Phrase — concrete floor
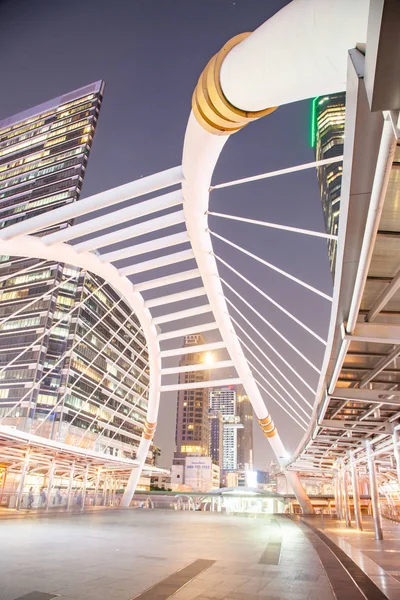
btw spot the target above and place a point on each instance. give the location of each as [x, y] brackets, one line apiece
[118, 555]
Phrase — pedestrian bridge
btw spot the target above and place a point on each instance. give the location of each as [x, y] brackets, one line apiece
[351, 418]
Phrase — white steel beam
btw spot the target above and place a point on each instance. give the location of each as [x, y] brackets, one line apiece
[178, 297]
[367, 396]
[156, 263]
[192, 349]
[116, 217]
[201, 384]
[382, 364]
[182, 314]
[347, 424]
[384, 298]
[169, 335]
[378, 194]
[131, 232]
[158, 243]
[222, 364]
[168, 280]
[378, 333]
[121, 193]
[253, 79]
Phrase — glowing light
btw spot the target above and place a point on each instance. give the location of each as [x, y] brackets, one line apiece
[251, 479]
[208, 358]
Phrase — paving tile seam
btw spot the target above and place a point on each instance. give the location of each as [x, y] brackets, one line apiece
[361, 581]
[175, 582]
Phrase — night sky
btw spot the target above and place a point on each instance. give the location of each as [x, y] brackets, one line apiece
[150, 54]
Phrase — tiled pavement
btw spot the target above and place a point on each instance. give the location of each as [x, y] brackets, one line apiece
[380, 560]
[119, 555]
[155, 555]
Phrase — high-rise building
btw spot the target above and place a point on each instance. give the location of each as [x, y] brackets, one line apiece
[223, 400]
[192, 432]
[216, 436]
[327, 133]
[244, 435]
[73, 358]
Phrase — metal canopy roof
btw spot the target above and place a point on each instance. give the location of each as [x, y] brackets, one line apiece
[359, 396]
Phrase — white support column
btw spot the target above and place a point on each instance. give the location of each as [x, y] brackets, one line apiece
[84, 487]
[70, 484]
[346, 498]
[340, 497]
[96, 489]
[50, 483]
[356, 493]
[22, 481]
[374, 493]
[3, 485]
[396, 450]
[130, 489]
[148, 432]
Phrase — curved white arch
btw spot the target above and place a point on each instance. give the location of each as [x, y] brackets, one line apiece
[33, 247]
[252, 79]
[200, 155]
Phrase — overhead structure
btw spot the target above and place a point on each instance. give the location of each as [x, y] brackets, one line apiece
[159, 255]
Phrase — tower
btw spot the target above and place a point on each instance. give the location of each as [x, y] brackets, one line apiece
[244, 410]
[192, 426]
[73, 358]
[328, 118]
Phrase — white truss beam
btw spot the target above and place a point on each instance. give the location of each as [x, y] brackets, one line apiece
[157, 263]
[169, 335]
[178, 297]
[129, 213]
[192, 349]
[183, 314]
[167, 280]
[384, 298]
[134, 189]
[367, 396]
[382, 364]
[175, 387]
[378, 333]
[133, 231]
[222, 364]
[348, 425]
[158, 243]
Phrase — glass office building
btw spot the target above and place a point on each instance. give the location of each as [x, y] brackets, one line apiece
[73, 358]
[327, 135]
[192, 433]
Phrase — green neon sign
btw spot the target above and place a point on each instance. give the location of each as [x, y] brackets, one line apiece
[313, 122]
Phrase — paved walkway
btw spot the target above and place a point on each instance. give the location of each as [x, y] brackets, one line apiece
[157, 555]
[118, 555]
[380, 560]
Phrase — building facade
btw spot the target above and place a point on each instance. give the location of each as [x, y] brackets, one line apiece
[216, 436]
[223, 400]
[245, 434]
[328, 118]
[73, 358]
[192, 433]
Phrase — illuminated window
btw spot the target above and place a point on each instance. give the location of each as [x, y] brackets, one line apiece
[30, 322]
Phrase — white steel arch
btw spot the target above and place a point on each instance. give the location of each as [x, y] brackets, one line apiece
[222, 104]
